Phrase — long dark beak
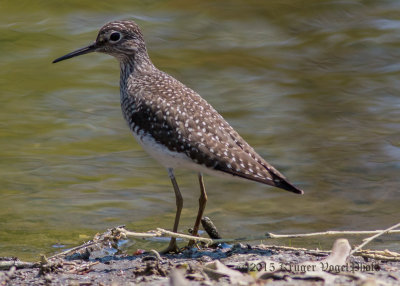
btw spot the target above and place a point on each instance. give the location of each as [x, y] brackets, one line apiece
[89, 49]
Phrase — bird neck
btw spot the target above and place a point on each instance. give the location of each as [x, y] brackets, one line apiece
[137, 63]
[134, 65]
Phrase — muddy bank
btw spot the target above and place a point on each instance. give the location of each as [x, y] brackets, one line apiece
[242, 264]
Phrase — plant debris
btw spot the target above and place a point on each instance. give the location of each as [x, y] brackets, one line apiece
[240, 264]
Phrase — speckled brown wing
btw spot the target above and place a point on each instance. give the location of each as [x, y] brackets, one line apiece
[178, 118]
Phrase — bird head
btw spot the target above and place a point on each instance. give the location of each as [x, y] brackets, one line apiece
[121, 39]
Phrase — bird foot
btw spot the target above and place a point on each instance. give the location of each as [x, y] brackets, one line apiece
[193, 243]
[172, 248]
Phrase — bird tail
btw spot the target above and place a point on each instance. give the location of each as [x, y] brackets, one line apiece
[282, 183]
[277, 180]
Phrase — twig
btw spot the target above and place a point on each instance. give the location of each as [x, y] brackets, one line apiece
[315, 252]
[98, 240]
[368, 240]
[156, 254]
[185, 236]
[160, 233]
[126, 233]
[378, 256]
[5, 265]
[383, 255]
[75, 249]
[83, 269]
[329, 232]
[374, 254]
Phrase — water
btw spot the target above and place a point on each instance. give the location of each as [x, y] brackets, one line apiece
[312, 85]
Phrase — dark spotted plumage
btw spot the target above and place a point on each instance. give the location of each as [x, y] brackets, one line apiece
[157, 105]
[173, 123]
[170, 119]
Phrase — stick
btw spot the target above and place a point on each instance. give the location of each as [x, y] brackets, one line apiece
[75, 249]
[368, 240]
[161, 233]
[5, 265]
[329, 232]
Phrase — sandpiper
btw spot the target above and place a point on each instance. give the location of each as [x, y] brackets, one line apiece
[173, 123]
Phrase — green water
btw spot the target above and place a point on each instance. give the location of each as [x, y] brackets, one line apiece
[312, 85]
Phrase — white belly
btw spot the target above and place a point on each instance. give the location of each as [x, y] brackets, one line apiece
[162, 154]
[171, 159]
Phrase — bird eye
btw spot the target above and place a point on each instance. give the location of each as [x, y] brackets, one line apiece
[115, 37]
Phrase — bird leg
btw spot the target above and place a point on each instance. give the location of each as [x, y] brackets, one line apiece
[172, 247]
[202, 206]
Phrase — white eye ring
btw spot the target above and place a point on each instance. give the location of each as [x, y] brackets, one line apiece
[115, 37]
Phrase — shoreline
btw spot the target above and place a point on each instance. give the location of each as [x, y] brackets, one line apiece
[220, 264]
